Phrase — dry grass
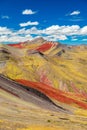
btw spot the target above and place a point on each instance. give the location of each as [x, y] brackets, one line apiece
[15, 114]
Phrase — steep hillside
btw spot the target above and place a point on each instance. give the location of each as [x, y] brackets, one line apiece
[54, 70]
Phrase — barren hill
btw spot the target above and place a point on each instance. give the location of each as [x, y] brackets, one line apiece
[46, 77]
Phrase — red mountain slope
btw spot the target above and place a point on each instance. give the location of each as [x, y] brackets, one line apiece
[54, 93]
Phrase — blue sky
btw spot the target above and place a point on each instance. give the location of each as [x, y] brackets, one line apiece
[55, 20]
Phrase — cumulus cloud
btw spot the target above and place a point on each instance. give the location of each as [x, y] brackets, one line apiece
[5, 31]
[29, 23]
[64, 30]
[5, 17]
[15, 38]
[55, 37]
[28, 12]
[83, 30]
[77, 12]
[52, 33]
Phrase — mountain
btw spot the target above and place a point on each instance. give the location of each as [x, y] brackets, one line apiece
[46, 77]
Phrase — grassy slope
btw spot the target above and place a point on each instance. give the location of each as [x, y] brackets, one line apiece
[66, 72]
[71, 66]
[16, 114]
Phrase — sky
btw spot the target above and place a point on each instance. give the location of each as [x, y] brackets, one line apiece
[54, 20]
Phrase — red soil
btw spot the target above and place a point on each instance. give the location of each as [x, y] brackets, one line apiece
[45, 46]
[18, 45]
[54, 93]
[44, 79]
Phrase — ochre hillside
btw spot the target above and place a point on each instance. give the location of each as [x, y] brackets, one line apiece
[57, 72]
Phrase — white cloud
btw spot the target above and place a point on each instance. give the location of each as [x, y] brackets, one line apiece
[77, 12]
[55, 37]
[29, 23]
[28, 12]
[5, 31]
[83, 30]
[15, 38]
[5, 17]
[52, 33]
[64, 30]
[18, 38]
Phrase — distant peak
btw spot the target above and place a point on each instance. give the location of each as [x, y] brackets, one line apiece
[39, 40]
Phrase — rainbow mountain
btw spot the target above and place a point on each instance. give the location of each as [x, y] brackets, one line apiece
[43, 82]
